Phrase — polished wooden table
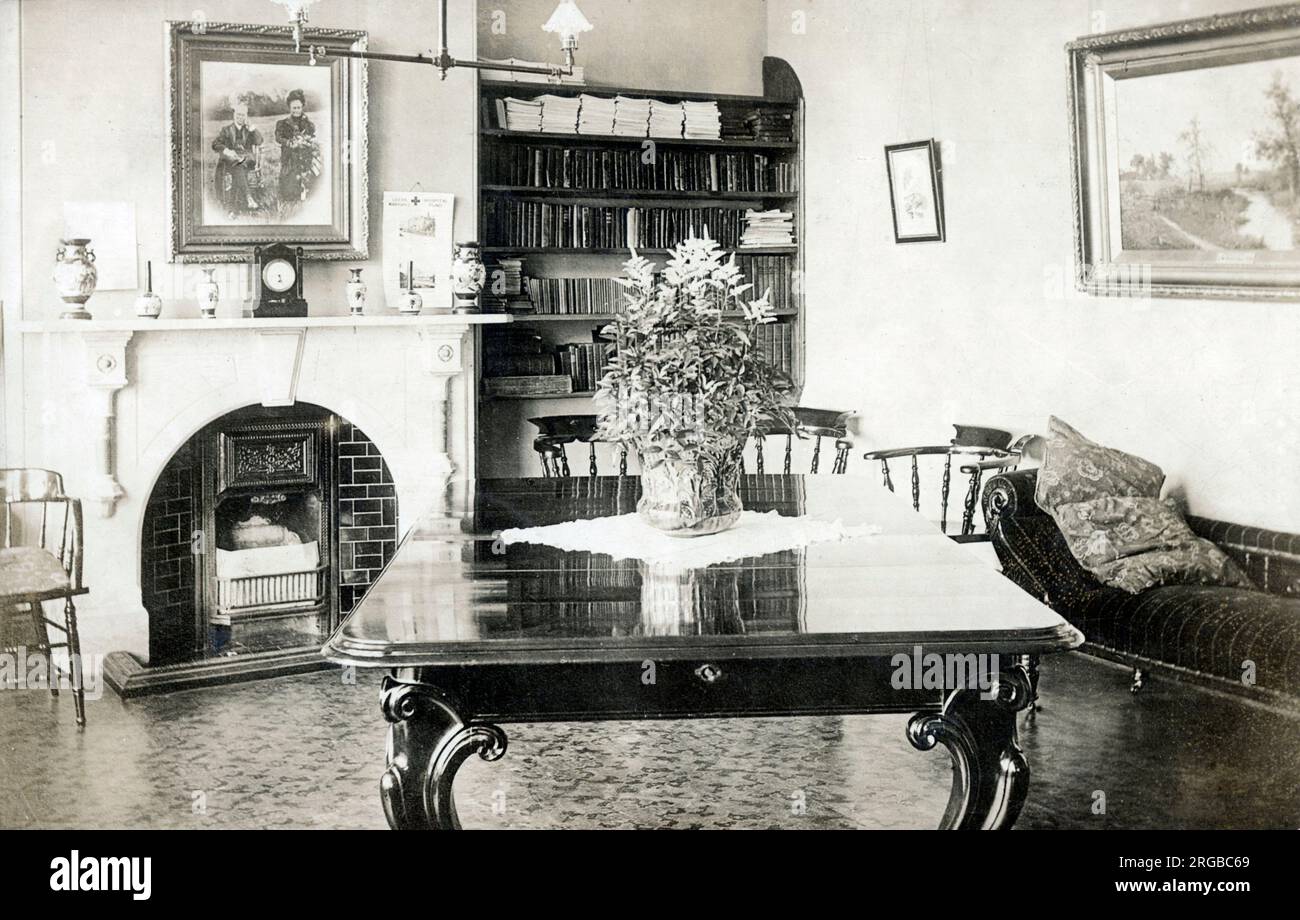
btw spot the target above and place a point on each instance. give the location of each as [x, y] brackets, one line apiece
[477, 634]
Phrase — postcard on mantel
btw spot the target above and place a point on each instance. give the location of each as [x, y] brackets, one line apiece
[418, 231]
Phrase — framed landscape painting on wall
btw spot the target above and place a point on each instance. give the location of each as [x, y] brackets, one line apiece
[265, 147]
[1186, 157]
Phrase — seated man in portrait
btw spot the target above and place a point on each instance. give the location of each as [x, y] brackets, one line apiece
[236, 149]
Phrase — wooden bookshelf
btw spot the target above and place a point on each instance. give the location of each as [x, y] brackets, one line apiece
[503, 426]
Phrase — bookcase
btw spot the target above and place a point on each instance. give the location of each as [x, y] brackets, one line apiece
[558, 211]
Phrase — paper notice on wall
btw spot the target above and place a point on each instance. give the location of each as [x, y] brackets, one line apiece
[418, 232]
[110, 227]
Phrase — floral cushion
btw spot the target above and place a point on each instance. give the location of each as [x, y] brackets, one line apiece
[1057, 428]
[27, 570]
[1135, 543]
[1077, 470]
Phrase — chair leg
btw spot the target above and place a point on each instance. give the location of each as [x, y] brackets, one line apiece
[74, 662]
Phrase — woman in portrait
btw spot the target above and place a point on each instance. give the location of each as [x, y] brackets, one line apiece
[236, 149]
[299, 153]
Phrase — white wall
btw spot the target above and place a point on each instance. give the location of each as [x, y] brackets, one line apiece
[985, 327]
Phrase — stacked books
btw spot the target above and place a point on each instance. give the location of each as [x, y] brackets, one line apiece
[559, 114]
[541, 385]
[597, 115]
[770, 125]
[631, 117]
[703, 120]
[585, 362]
[735, 124]
[505, 288]
[767, 228]
[520, 114]
[512, 276]
[667, 119]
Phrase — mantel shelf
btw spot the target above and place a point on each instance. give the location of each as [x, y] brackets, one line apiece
[195, 324]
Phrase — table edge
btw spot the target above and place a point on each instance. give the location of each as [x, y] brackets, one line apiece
[346, 650]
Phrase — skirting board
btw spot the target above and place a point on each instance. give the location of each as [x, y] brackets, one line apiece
[129, 677]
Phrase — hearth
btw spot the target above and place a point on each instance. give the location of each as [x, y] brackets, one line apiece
[263, 530]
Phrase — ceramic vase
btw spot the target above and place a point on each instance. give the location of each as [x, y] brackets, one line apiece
[208, 293]
[468, 276]
[75, 276]
[356, 293]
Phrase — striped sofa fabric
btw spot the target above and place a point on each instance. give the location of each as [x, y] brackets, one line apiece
[1250, 639]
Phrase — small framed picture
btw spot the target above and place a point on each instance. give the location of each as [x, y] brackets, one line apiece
[915, 192]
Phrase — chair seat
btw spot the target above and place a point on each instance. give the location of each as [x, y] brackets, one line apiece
[28, 573]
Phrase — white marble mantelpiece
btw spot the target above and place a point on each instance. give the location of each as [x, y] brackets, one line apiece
[433, 320]
[111, 401]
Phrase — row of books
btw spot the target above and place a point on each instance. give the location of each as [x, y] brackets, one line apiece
[606, 296]
[576, 226]
[775, 344]
[626, 170]
[585, 363]
[568, 296]
[770, 274]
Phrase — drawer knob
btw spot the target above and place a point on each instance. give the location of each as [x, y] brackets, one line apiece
[709, 673]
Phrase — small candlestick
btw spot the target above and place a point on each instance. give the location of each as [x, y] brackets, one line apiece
[148, 305]
[410, 303]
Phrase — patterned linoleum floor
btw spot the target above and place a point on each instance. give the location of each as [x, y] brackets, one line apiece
[307, 752]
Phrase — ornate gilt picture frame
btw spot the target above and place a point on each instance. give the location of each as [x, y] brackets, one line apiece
[1185, 146]
[265, 147]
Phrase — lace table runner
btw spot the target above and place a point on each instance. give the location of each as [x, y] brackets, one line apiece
[629, 537]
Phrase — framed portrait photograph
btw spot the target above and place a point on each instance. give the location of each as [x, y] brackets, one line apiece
[265, 147]
[1186, 157]
[915, 192]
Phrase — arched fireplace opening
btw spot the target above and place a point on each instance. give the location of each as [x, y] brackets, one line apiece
[261, 533]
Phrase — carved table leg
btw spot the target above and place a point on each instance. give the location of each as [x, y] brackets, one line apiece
[990, 776]
[427, 742]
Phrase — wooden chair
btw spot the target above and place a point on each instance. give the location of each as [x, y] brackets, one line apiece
[985, 449]
[556, 431]
[40, 561]
[811, 423]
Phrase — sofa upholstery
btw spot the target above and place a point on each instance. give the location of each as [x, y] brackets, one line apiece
[1209, 632]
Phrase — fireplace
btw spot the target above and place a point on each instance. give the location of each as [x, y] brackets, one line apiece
[265, 528]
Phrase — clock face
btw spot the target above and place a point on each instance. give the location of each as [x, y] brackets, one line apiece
[278, 275]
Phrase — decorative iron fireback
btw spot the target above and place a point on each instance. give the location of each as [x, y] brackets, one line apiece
[272, 456]
[267, 459]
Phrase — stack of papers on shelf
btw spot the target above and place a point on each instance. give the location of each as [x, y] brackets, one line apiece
[768, 228]
[666, 118]
[703, 120]
[559, 114]
[631, 117]
[597, 115]
[522, 114]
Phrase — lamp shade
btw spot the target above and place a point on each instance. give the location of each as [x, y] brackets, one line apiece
[568, 21]
[297, 8]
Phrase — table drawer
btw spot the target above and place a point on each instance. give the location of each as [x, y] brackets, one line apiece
[697, 687]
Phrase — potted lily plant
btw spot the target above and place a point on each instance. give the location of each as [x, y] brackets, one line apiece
[687, 388]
